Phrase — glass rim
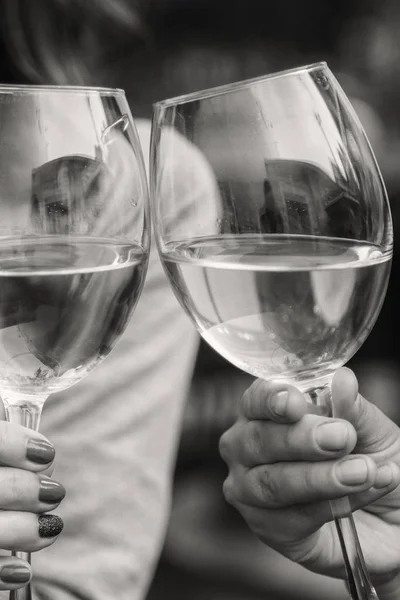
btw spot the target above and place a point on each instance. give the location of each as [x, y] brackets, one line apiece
[237, 85]
[77, 89]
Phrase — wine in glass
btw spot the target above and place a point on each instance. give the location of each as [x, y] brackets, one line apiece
[286, 274]
[74, 239]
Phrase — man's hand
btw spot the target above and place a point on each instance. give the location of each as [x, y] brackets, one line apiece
[286, 464]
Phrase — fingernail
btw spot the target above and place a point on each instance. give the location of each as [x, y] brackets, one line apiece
[279, 402]
[15, 574]
[352, 471]
[384, 476]
[50, 491]
[50, 526]
[40, 451]
[332, 436]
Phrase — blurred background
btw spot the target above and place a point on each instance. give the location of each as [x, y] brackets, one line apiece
[180, 46]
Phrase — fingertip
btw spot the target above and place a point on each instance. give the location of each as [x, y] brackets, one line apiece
[14, 573]
[286, 404]
[50, 526]
[274, 400]
[39, 451]
[254, 403]
[344, 384]
[387, 476]
[355, 471]
[387, 479]
[296, 405]
[335, 436]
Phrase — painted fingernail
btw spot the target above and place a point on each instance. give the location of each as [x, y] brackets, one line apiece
[332, 436]
[50, 491]
[279, 402]
[15, 574]
[40, 451]
[50, 526]
[384, 476]
[352, 471]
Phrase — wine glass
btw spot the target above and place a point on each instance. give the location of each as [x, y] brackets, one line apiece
[74, 239]
[285, 271]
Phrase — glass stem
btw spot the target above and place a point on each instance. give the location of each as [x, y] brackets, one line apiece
[358, 579]
[26, 411]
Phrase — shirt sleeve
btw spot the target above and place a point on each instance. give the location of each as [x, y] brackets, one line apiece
[116, 435]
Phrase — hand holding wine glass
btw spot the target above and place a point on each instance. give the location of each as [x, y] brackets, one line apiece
[74, 238]
[27, 497]
[285, 464]
[286, 277]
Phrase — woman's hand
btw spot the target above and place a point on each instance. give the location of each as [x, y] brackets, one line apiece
[286, 464]
[26, 496]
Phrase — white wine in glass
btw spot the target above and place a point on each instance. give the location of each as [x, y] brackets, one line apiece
[287, 272]
[74, 240]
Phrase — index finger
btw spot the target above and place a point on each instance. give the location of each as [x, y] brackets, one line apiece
[276, 401]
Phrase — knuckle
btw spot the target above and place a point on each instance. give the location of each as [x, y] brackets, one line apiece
[253, 442]
[298, 438]
[311, 482]
[15, 484]
[264, 487]
[225, 446]
[290, 439]
[244, 401]
[228, 490]
[252, 398]
[307, 482]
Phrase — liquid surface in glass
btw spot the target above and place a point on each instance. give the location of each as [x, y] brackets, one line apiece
[280, 306]
[64, 302]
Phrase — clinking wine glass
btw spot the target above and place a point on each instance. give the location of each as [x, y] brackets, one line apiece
[284, 271]
[74, 239]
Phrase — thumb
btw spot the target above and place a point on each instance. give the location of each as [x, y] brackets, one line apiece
[375, 431]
